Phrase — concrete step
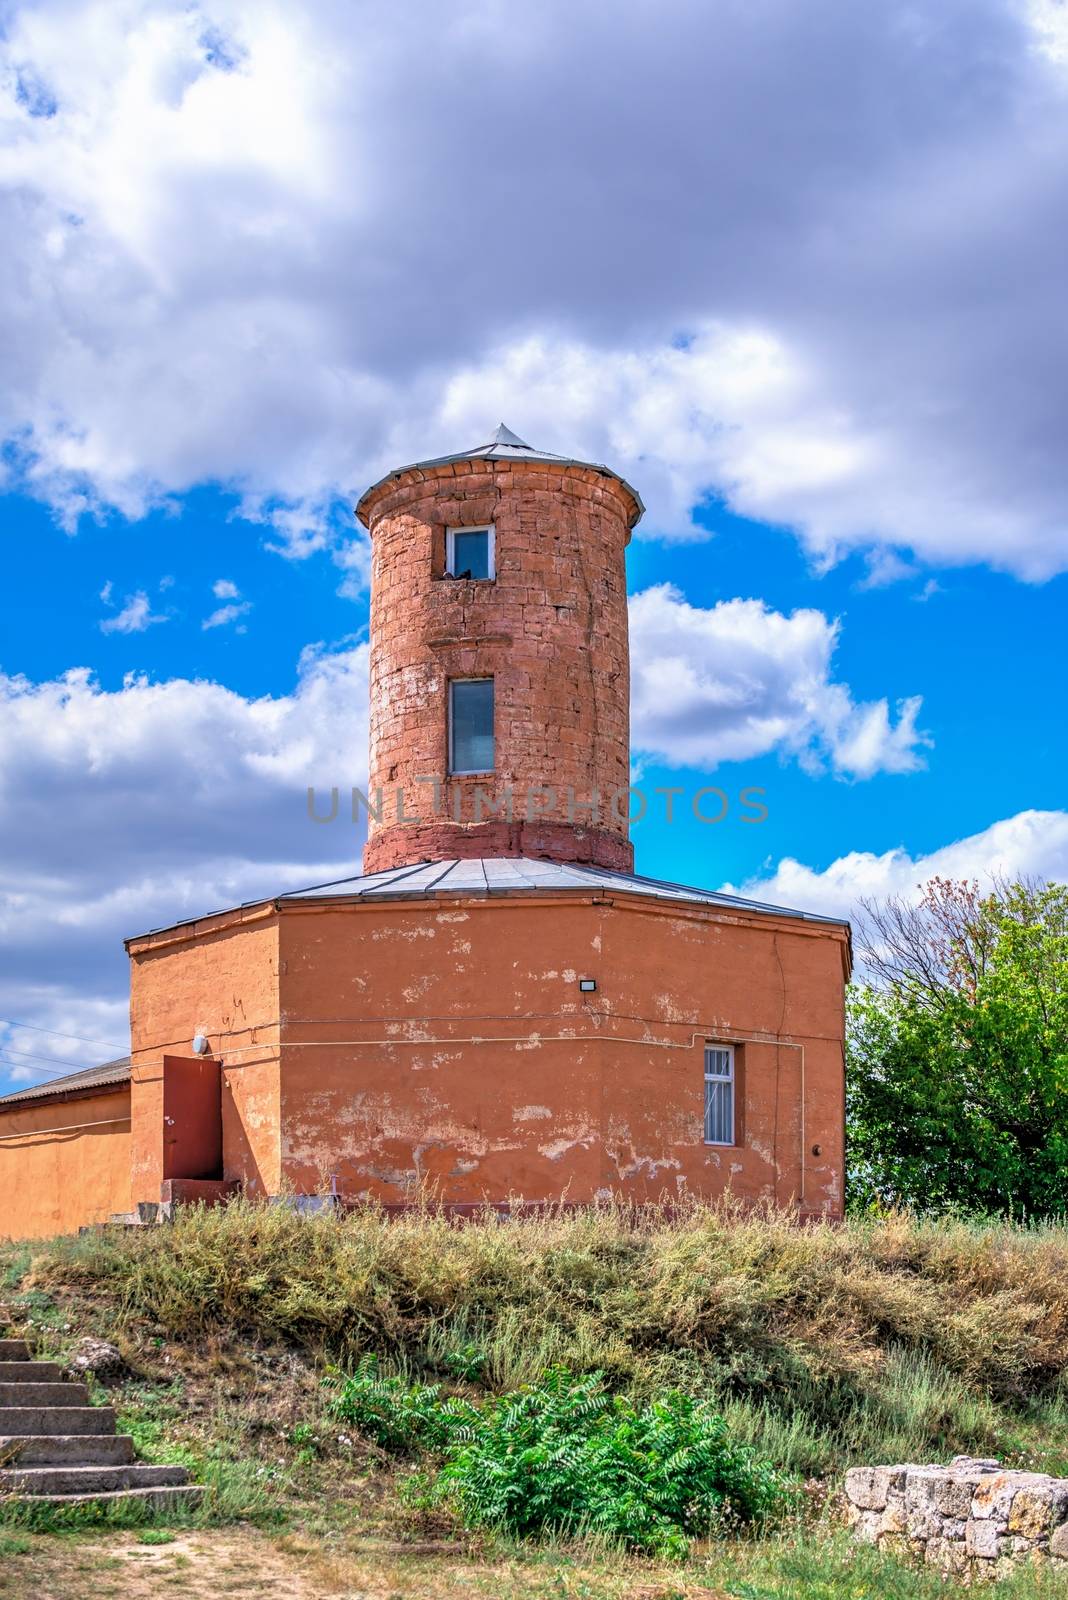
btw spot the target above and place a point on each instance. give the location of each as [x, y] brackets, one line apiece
[184, 1498]
[84, 1480]
[67, 1449]
[20, 1420]
[43, 1394]
[30, 1372]
[14, 1350]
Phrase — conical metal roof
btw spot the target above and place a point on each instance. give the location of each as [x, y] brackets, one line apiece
[504, 446]
[506, 436]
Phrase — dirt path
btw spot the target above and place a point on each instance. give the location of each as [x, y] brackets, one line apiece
[245, 1562]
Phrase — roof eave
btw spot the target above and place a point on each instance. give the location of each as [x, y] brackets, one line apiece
[54, 1093]
[500, 454]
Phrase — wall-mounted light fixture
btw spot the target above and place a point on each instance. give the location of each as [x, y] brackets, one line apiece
[201, 1044]
[587, 985]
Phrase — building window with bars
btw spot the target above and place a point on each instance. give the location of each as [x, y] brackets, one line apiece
[719, 1094]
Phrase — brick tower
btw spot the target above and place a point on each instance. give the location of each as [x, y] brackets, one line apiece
[499, 1006]
[500, 675]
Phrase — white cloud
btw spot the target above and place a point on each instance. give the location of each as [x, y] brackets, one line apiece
[824, 316]
[135, 616]
[1032, 843]
[233, 611]
[1050, 21]
[96, 845]
[29, 1055]
[353, 556]
[105, 593]
[885, 567]
[222, 616]
[738, 680]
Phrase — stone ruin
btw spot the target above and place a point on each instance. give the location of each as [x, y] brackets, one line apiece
[971, 1519]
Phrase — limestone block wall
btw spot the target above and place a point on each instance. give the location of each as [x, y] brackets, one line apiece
[970, 1519]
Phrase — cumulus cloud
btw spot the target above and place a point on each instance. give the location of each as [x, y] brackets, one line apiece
[135, 616]
[803, 260]
[1032, 843]
[222, 616]
[233, 611]
[131, 808]
[737, 680]
[31, 1054]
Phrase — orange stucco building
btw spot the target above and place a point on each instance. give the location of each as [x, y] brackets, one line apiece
[498, 1008]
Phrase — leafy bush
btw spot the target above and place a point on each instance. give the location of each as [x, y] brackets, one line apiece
[958, 1052]
[395, 1414]
[563, 1456]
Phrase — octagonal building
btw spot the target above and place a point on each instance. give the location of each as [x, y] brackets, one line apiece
[498, 1008]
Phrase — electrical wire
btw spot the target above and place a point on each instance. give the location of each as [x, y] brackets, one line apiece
[45, 1072]
[6, 1022]
[33, 1055]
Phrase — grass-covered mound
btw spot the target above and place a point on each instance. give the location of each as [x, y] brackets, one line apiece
[878, 1340]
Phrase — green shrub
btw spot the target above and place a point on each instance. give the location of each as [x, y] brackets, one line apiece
[395, 1414]
[563, 1456]
[957, 1053]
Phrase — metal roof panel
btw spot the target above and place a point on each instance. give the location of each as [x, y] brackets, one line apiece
[101, 1077]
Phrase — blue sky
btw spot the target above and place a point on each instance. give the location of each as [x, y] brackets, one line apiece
[985, 651]
[800, 282]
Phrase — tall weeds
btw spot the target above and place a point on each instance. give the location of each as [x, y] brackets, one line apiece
[880, 1338]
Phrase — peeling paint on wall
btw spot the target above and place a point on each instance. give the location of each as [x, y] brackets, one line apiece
[484, 1075]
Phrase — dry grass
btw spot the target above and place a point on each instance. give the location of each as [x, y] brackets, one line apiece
[245, 1564]
[879, 1339]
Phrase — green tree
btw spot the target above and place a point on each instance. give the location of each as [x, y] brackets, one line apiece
[957, 1084]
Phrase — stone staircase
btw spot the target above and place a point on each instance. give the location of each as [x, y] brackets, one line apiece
[57, 1449]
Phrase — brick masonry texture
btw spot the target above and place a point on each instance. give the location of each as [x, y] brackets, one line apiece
[971, 1520]
[550, 629]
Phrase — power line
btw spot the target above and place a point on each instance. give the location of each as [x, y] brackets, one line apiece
[33, 1055]
[5, 1061]
[6, 1022]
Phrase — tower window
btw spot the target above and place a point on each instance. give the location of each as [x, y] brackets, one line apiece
[469, 553]
[471, 725]
[719, 1094]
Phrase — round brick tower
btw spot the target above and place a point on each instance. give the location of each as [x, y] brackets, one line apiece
[500, 676]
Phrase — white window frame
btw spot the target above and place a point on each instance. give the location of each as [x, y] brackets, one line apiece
[728, 1077]
[472, 772]
[450, 550]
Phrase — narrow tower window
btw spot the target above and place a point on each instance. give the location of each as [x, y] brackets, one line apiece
[471, 725]
[469, 552]
[719, 1094]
